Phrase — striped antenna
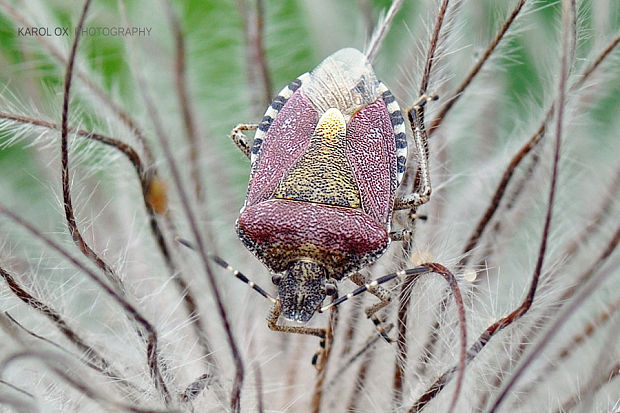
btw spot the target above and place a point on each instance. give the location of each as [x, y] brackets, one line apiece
[219, 261]
[381, 30]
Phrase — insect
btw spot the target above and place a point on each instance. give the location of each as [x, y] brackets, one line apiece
[326, 161]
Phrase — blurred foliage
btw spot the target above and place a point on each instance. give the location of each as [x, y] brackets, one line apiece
[298, 35]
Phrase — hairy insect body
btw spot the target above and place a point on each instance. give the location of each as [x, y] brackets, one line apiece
[326, 161]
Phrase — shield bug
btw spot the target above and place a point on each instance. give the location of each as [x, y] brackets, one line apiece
[326, 161]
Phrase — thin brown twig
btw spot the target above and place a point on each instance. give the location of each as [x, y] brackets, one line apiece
[412, 177]
[530, 334]
[428, 65]
[368, 16]
[259, 388]
[595, 223]
[18, 403]
[404, 299]
[369, 344]
[511, 200]
[352, 327]
[259, 50]
[189, 123]
[146, 178]
[235, 402]
[522, 309]
[554, 328]
[14, 387]
[359, 382]
[451, 280]
[100, 363]
[430, 55]
[520, 155]
[380, 32]
[101, 95]
[572, 345]
[590, 388]
[128, 388]
[256, 63]
[72, 225]
[193, 139]
[79, 241]
[124, 117]
[82, 385]
[323, 362]
[151, 334]
[609, 249]
[477, 67]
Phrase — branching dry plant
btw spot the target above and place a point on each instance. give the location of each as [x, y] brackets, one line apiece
[113, 148]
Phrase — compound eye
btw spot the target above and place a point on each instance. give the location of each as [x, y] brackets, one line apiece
[276, 278]
[330, 289]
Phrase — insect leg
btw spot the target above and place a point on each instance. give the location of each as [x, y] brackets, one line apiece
[272, 323]
[239, 138]
[383, 295]
[422, 188]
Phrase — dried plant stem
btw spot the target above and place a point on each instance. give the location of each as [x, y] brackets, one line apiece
[20, 390]
[99, 362]
[352, 326]
[189, 122]
[530, 335]
[235, 402]
[64, 150]
[601, 259]
[400, 364]
[319, 384]
[151, 334]
[591, 387]
[259, 388]
[569, 34]
[192, 135]
[573, 344]
[595, 223]
[97, 91]
[80, 384]
[382, 29]
[130, 153]
[527, 303]
[477, 67]
[146, 180]
[430, 55]
[360, 380]
[428, 65]
[554, 328]
[367, 347]
[128, 389]
[520, 155]
[368, 16]
[511, 200]
[257, 70]
[69, 214]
